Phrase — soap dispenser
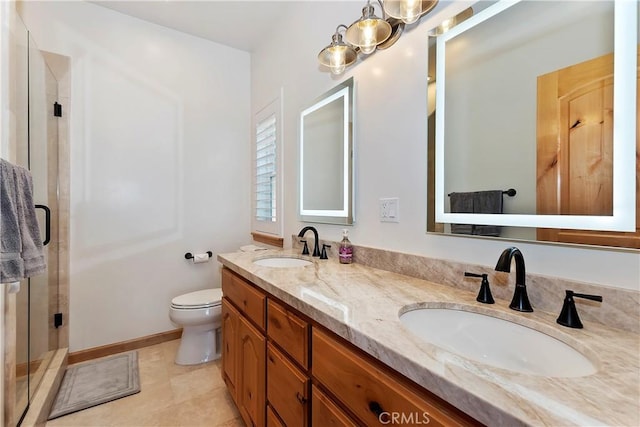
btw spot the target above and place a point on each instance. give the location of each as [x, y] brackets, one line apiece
[345, 252]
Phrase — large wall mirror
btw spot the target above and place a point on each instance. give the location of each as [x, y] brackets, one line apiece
[525, 100]
[326, 157]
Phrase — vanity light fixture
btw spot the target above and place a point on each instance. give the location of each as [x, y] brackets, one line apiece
[371, 32]
[338, 55]
[368, 31]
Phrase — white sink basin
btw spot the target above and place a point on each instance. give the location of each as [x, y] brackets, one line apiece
[282, 262]
[497, 342]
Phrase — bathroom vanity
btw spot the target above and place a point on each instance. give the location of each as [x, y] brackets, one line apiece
[322, 344]
[312, 373]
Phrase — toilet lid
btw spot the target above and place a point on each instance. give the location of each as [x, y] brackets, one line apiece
[198, 299]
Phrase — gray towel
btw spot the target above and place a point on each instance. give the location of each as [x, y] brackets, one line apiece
[461, 203]
[21, 252]
[11, 264]
[487, 202]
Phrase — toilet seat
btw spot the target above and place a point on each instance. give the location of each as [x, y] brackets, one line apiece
[205, 298]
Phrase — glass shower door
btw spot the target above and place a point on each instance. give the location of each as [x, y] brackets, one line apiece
[43, 164]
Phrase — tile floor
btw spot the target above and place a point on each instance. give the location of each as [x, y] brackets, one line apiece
[171, 396]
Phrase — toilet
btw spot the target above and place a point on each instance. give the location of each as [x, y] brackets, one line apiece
[199, 314]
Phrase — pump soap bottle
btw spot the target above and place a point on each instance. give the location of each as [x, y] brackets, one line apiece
[345, 252]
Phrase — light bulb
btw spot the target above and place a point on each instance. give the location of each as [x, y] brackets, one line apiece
[410, 10]
[337, 59]
[368, 39]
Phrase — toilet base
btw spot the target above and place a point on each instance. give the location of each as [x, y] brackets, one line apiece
[199, 344]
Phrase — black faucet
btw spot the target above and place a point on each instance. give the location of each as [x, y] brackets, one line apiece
[316, 249]
[520, 301]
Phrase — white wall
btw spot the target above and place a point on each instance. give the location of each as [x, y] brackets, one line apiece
[391, 144]
[160, 126]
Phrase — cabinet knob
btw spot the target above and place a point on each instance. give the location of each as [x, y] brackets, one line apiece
[376, 408]
[301, 398]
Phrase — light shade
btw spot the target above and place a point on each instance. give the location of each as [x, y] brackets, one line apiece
[338, 55]
[368, 31]
[409, 11]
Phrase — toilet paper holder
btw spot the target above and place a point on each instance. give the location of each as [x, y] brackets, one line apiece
[189, 255]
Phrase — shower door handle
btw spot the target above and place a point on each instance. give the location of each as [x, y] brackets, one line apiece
[47, 223]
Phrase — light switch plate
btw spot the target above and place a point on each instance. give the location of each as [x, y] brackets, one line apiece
[390, 210]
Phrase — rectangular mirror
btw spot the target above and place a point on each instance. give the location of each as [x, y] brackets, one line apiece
[490, 113]
[326, 157]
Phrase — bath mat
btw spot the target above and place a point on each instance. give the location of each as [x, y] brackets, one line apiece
[99, 381]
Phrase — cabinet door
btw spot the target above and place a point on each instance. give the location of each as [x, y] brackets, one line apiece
[251, 374]
[287, 389]
[230, 319]
[325, 413]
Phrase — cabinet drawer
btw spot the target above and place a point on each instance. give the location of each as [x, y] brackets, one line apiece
[370, 392]
[287, 389]
[245, 296]
[289, 331]
[272, 418]
[325, 413]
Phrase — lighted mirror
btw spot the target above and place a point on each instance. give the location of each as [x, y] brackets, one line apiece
[493, 115]
[326, 157]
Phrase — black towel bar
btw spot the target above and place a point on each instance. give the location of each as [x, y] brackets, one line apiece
[510, 192]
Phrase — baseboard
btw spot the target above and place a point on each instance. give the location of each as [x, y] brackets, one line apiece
[119, 347]
[21, 368]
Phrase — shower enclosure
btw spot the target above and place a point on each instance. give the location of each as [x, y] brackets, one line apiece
[35, 146]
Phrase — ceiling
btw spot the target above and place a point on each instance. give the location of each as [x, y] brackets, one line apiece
[238, 24]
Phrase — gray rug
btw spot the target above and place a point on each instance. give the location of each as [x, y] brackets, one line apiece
[99, 381]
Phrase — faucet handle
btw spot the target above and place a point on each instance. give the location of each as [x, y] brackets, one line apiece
[569, 314]
[484, 296]
[305, 249]
[324, 251]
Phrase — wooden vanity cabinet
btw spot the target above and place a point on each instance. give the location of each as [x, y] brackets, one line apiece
[282, 369]
[244, 346]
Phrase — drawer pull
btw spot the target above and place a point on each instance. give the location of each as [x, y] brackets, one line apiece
[376, 408]
[301, 398]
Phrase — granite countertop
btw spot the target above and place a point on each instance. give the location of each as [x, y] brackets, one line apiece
[363, 304]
